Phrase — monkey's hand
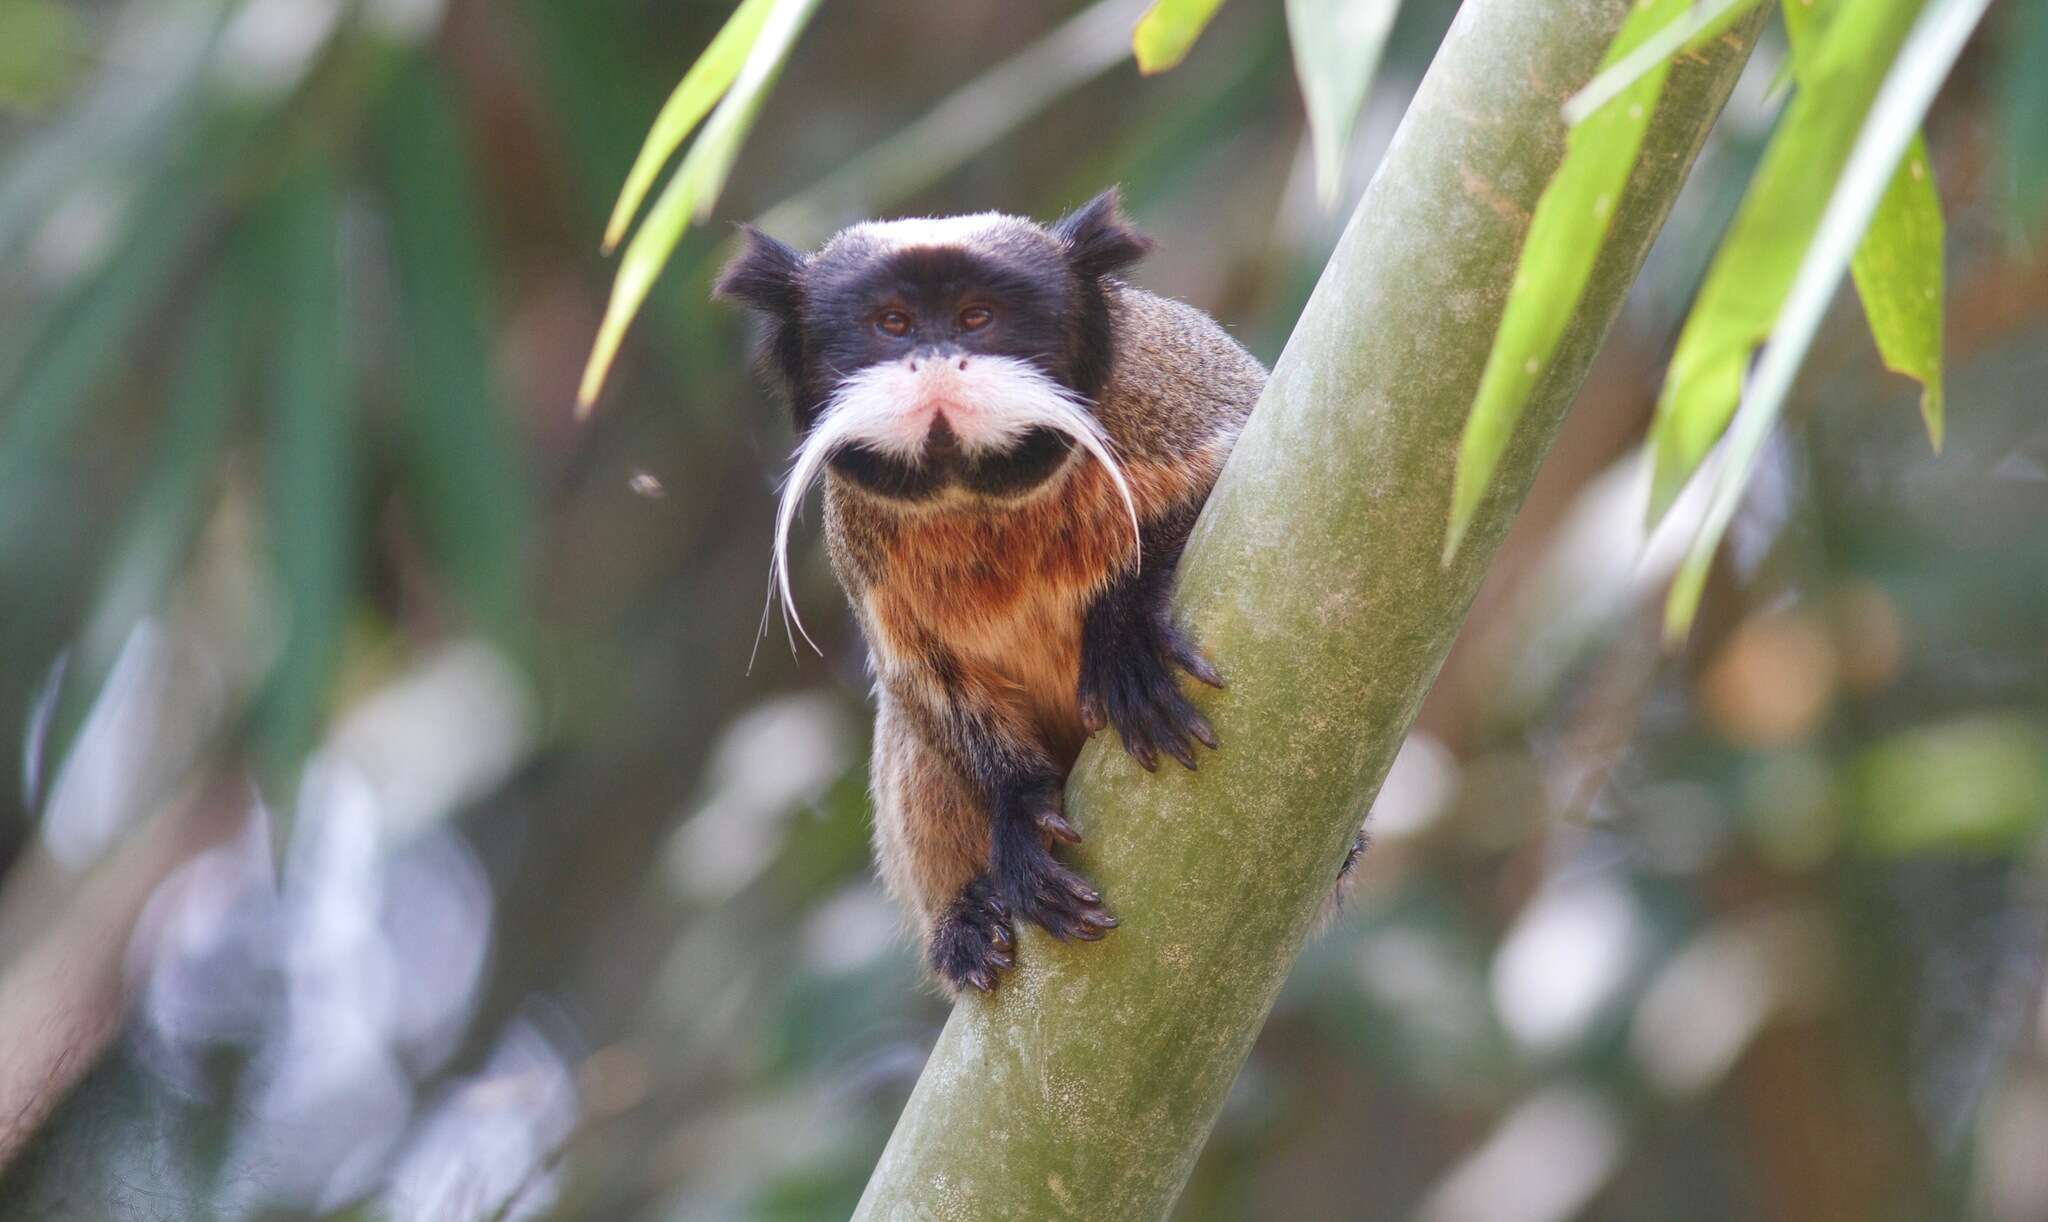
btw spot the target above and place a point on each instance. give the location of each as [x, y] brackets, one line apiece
[1130, 679]
[1030, 881]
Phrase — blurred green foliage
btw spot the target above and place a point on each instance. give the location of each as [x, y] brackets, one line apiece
[1167, 32]
[42, 42]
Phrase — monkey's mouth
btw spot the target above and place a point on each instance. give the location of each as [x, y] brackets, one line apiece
[940, 441]
[944, 465]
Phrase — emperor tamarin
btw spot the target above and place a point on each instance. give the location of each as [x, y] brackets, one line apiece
[1015, 445]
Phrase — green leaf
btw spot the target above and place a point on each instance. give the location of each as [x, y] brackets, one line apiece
[88, 339]
[1699, 22]
[461, 467]
[1974, 785]
[1921, 64]
[310, 480]
[1898, 274]
[185, 454]
[1837, 73]
[44, 44]
[701, 87]
[1898, 265]
[693, 189]
[1337, 45]
[1168, 30]
[1563, 242]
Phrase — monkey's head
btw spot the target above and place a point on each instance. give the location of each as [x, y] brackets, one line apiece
[934, 353]
[932, 357]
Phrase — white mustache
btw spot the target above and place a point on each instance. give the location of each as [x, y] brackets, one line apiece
[884, 407]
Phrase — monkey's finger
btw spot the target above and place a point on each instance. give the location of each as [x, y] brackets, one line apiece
[1092, 716]
[983, 979]
[1192, 661]
[1059, 885]
[1093, 922]
[1140, 749]
[1054, 824]
[1177, 747]
[1000, 960]
[1140, 730]
[1068, 917]
[1057, 920]
[1000, 935]
[1157, 727]
[1189, 720]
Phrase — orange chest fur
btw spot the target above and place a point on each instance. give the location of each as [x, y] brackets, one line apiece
[996, 594]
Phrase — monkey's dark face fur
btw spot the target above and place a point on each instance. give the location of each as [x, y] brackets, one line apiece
[927, 356]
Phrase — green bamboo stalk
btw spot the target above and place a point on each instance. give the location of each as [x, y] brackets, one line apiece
[1086, 1086]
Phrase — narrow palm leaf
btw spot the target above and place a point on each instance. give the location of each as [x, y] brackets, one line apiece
[1922, 64]
[1563, 243]
[694, 188]
[694, 96]
[1337, 45]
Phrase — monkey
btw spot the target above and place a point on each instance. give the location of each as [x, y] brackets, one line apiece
[1015, 444]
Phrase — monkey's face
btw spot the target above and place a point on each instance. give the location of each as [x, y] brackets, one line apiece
[926, 357]
[942, 366]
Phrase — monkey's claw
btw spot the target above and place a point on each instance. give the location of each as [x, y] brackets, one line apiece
[1135, 688]
[1054, 824]
[970, 946]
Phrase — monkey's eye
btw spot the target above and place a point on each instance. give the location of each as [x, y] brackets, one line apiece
[894, 323]
[974, 318]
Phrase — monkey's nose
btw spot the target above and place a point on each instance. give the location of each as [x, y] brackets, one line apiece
[938, 356]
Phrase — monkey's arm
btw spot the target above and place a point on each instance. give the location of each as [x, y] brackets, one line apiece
[1131, 647]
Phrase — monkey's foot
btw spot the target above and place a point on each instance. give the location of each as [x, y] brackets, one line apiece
[1134, 686]
[1036, 887]
[971, 943]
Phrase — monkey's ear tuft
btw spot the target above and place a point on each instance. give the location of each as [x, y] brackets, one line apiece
[1099, 238]
[763, 276]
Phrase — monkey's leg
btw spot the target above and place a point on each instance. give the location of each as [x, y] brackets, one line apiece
[1132, 653]
[932, 846]
[1020, 787]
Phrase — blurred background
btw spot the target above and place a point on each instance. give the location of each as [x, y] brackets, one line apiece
[397, 820]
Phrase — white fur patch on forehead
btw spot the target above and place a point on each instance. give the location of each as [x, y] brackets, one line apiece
[973, 229]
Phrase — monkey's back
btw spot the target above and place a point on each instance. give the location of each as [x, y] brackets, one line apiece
[1179, 383]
